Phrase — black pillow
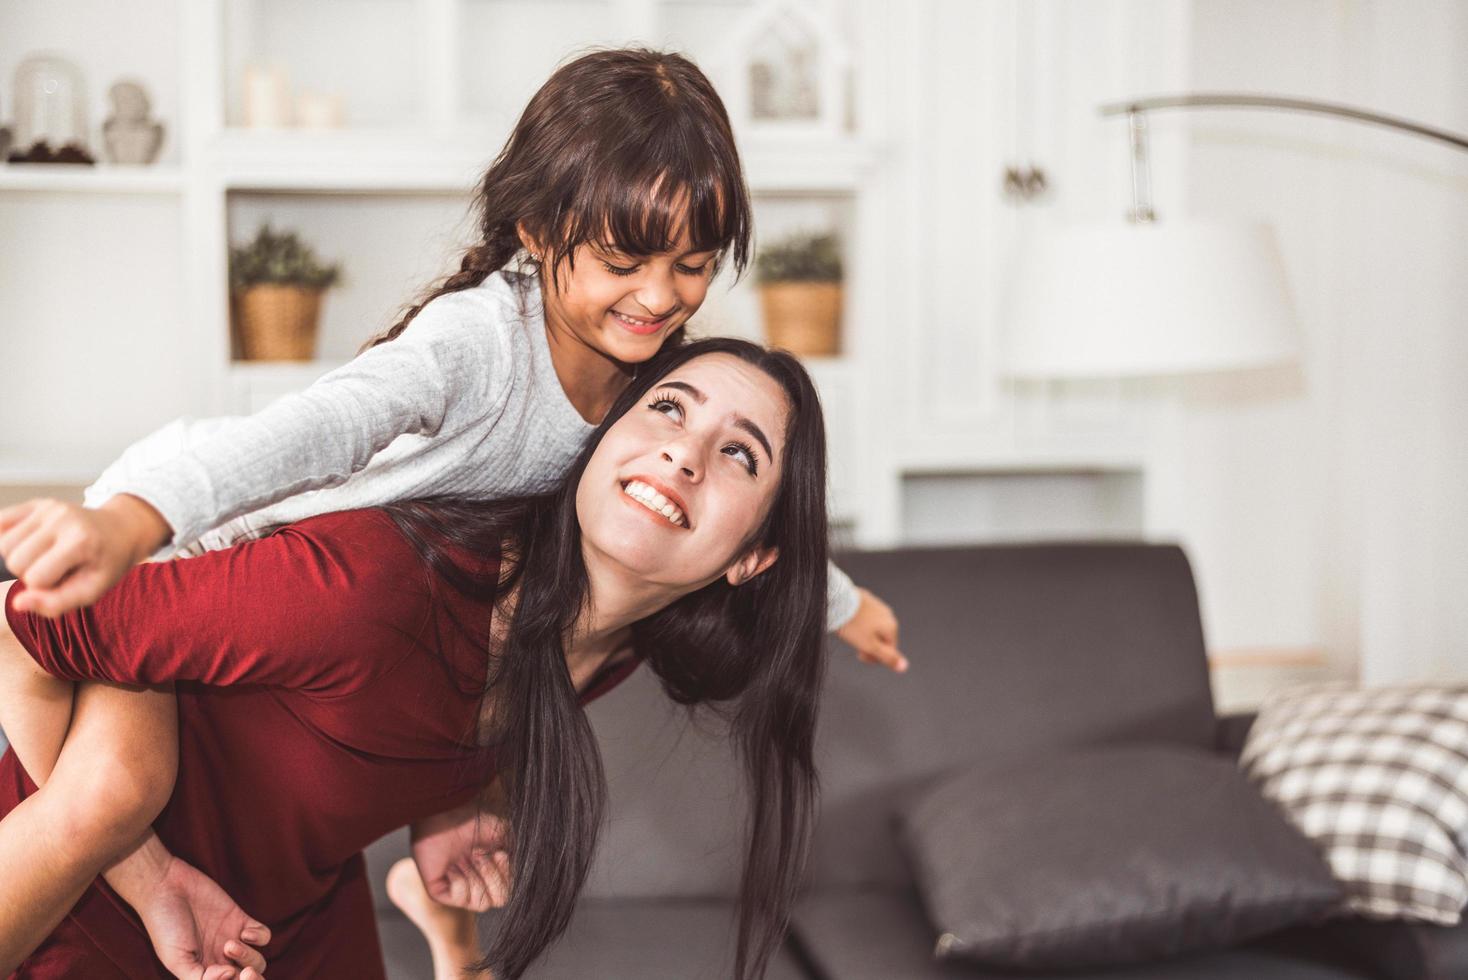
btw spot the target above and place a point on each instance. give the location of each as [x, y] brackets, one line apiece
[1106, 856]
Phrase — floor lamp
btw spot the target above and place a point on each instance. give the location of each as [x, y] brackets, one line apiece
[1149, 297]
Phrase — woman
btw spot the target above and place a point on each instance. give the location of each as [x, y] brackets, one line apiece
[333, 681]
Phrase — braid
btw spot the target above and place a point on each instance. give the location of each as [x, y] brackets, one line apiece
[478, 263]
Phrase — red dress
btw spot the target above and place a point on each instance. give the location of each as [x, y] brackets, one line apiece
[325, 683]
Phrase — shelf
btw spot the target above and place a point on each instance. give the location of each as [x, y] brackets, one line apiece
[1024, 461]
[100, 179]
[801, 166]
[282, 371]
[410, 160]
[49, 472]
[346, 161]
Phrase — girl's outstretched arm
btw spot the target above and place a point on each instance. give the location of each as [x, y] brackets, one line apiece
[192, 476]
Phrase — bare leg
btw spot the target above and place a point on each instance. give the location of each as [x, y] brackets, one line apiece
[452, 939]
[95, 807]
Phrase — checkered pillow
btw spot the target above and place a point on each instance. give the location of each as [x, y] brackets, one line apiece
[1379, 780]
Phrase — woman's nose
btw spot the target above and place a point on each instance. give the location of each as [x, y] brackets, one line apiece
[681, 455]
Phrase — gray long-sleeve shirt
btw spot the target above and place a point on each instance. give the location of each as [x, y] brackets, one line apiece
[466, 402]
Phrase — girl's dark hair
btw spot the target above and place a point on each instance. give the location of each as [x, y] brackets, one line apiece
[618, 147]
[754, 651]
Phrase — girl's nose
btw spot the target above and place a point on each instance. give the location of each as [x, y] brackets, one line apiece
[657, 295]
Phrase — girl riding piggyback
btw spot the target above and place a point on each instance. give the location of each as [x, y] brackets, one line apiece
[616, 200]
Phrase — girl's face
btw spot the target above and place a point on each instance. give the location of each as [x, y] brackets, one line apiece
[680, 483]
[624, 306]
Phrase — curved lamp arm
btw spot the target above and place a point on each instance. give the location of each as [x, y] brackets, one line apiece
[1134, 109]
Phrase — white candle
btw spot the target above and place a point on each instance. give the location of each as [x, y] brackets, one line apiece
[319, 110]
[267, 97]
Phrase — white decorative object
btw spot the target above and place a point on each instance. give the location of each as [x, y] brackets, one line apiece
[130, 135]
[50, 107]
[788, 70]
[319, 110]
[1146, 299]
[267, 98]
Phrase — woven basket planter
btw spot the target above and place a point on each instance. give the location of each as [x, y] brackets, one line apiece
[803, 317]
[277, 323]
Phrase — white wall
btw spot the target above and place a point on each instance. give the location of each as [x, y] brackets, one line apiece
[1329, 504]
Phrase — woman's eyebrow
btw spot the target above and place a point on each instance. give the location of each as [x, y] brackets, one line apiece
[739, 420]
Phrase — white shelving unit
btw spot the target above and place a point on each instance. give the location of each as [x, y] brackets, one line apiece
[906, 172]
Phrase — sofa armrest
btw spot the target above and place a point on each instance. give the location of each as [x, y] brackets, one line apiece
[1230, 731]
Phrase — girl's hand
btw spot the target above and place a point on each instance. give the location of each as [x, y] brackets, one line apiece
[872, 633]
[69, 555]
[197, 930]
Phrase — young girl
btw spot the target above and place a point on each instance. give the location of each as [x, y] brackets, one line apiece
[602, 222]
[364, 669]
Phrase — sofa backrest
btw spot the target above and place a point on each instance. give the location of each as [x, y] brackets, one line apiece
[1015, 650]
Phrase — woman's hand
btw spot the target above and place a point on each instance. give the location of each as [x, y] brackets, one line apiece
[872, 633]
[198, 932]
[69, 555]
[463, 859]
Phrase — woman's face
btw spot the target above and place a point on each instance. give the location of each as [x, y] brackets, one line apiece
[681, 482]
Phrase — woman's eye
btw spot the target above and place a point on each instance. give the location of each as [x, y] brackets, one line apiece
[693, 270]
[619, 270]
[668, 407]
[751, 459]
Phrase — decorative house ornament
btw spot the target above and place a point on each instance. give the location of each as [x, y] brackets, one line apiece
[800, 293]
[276, 286]
[130, 135]
[788, 69]
[50, 112]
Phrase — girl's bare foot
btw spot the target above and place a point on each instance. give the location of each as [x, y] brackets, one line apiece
[450, 932]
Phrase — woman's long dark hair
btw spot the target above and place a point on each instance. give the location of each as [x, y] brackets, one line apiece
[619, 147]
[755, 651]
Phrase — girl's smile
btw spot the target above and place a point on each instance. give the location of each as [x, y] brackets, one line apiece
[642, 326]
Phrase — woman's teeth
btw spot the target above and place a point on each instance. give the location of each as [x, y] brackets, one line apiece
[654, 501]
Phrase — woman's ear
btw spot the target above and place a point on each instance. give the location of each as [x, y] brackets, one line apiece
[753, 562]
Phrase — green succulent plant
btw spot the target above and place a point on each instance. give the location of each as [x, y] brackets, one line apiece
[802, 257]
[279, 259]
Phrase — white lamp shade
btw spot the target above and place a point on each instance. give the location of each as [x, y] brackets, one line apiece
[1148, 298]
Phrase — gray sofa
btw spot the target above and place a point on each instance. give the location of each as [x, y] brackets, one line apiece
[1016, 650]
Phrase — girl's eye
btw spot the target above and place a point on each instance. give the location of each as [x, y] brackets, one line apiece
[618, 270]
[693, 270]
[751, 458]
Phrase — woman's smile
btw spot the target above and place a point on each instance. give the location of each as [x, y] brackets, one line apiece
[657, 501]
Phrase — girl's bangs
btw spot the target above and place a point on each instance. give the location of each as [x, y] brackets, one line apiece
[643, 210]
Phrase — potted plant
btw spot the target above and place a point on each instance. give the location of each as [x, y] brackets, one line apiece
[276, 284]
[800, 291]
